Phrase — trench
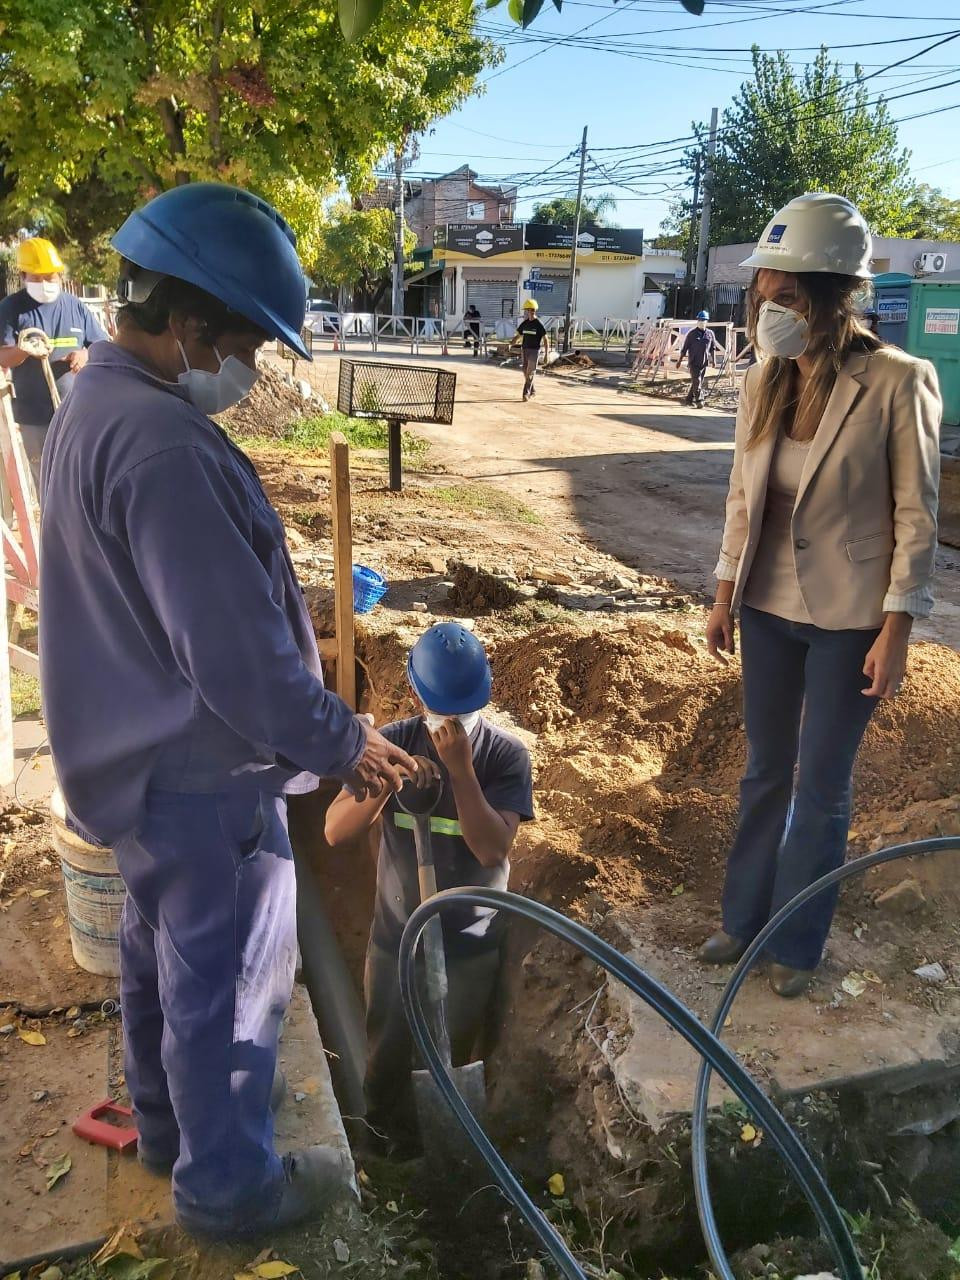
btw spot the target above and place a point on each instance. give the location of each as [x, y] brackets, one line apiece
[891, 1157]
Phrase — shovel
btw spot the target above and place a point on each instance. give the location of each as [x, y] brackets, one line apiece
[439, 1128]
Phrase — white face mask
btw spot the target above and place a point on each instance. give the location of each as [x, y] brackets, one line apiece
[214, 392]
[469, 721]
[781, 332]
[43, 290]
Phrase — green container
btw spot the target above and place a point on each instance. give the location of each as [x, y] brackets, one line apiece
[933, 333]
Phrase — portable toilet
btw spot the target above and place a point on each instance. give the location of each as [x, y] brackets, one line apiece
[933, 333]
[891, 293]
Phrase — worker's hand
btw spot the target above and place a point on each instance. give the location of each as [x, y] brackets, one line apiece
[75, 360]
[382, 765]
[453, 747]
[886, 663]
[428, 773]
[35, 343]
[720, 632]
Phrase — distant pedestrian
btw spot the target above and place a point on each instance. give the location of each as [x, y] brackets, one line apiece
[532, 335]
[700, 348]
[471, 329]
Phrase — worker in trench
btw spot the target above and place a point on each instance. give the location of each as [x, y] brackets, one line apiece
[70, 328]
[533, 335]
[828, 553]
[486, 793]
[183, 697]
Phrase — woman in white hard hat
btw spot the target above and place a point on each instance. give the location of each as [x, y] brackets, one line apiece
[828, 554]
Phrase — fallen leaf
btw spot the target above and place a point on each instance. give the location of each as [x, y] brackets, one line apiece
[728, 1021]
[74, 1032]
[748, 1133]
[556, 1185]
[39, 893]
[27, 1149]
[51, 1133]
[853, 985]
[275, 1270]
[244, 1275]
[870, 976]
[32, 1037]
[341, 1250]
[59, 921]
[123, 1267]
[72, 1012]
[51, 1273]
[310, 1085]
[59, 1169]
[676, 891]
[364, 1177]
[8, 1017]
[121, 1242]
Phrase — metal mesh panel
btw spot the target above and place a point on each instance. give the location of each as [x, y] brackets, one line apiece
[373, 389]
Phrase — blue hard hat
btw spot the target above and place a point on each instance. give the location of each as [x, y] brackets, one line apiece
[449, 671]
[229, 243]
[703, 315]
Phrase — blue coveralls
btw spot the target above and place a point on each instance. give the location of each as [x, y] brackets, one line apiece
[183, 697]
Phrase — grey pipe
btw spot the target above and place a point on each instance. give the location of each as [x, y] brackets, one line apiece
[335, 999]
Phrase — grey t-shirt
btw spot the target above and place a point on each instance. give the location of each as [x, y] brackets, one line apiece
[502, 765]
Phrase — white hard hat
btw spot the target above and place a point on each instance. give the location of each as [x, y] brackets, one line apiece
[816, 232]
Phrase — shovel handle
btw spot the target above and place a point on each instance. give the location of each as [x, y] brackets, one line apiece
[434, 960]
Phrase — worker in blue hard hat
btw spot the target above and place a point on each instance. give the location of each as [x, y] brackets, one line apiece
[184, 699]
[700, 349]
[486, 793]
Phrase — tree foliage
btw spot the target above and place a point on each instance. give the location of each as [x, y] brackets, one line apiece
[562, 211]
[931, 215]
[355, 251]
[124, 98]
[788, 132]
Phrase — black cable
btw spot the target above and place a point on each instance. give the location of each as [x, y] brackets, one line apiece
[675, 1013]
[701, 1178]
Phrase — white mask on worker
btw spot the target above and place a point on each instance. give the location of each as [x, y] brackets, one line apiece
[43, 290]
[214, 392]
[469, 721]
[781, 332]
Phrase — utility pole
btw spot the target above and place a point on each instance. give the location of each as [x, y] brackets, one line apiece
[694, 215]
[398, 255]
[568, 315]
[701, 276]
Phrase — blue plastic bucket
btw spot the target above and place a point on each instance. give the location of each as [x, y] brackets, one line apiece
[369, 588]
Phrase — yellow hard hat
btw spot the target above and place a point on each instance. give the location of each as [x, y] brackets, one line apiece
[531, 305]
[38, 257]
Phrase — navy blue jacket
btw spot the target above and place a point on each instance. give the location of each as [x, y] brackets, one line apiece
[176, 650]
[699, 346]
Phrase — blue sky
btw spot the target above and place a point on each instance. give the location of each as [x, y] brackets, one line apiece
[645, 69]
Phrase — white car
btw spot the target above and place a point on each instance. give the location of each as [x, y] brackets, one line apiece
[322, 316]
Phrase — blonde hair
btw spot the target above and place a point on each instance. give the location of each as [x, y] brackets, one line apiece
[835, 331]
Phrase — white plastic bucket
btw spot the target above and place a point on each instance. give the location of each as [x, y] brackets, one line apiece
[95, 894]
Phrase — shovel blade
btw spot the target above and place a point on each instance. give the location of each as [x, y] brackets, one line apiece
[443, 1136]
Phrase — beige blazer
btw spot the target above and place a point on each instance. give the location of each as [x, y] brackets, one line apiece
[865, 519]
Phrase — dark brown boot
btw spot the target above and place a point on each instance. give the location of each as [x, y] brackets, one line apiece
[788, 982]
[721, 949]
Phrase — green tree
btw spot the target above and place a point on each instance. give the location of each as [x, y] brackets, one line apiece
[931, 215]
[125, 98]
[787, 133]
[562, 212]
[355, 252]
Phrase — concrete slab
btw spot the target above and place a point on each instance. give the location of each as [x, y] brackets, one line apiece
[896, 1033]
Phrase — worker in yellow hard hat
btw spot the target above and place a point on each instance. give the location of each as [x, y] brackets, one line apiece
[70, 327]
[532, 335]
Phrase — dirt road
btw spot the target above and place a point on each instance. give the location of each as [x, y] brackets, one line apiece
[640, 477]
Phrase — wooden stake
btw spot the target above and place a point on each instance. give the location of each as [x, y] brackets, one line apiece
[343, 568]
[394, 447]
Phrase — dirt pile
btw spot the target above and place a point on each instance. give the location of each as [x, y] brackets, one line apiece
[269, 408]
[477, 589]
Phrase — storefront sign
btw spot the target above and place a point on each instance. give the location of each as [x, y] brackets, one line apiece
[480, 239]
[602, 244]
[942, 320]
[538, 286]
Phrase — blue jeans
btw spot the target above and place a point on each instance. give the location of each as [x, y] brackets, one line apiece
[207, 957]
[805, 715]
